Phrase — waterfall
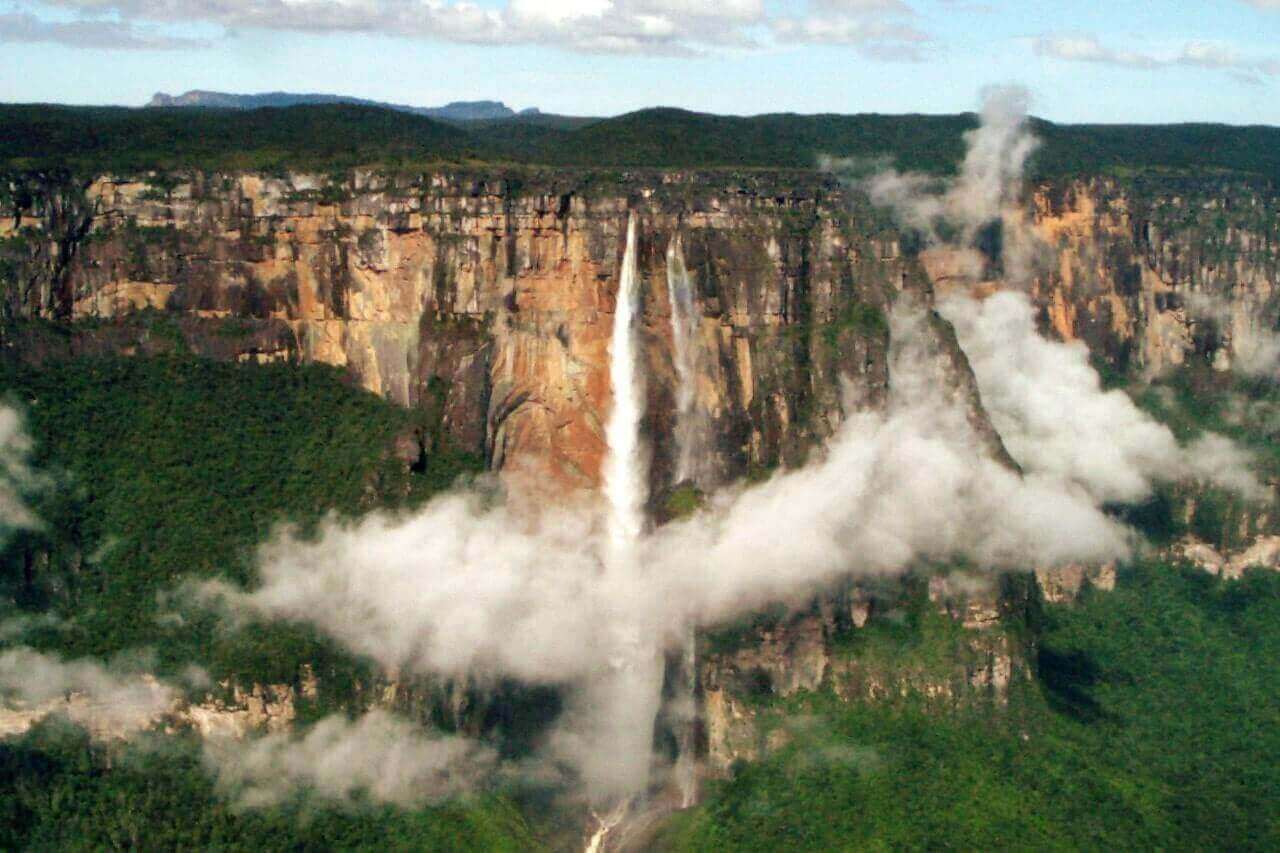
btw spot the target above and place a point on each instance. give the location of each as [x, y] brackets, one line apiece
[625, 484]
[686, 769]
[690, 440]
[620, 705]
[690, 425]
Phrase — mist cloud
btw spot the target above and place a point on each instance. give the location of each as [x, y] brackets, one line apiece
[1255, 350]
[378, 755]
[990, 176]
[118, 697]
[461, 588]
[1048, 405]
[18, 479]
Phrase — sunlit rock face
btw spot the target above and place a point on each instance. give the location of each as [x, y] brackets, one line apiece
[1149, 272]
[489, 296]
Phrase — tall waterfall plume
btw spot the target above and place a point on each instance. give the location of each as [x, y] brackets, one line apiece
[625, 481]
[619, 706]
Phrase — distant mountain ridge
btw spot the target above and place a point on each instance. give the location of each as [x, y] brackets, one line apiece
[454, 111]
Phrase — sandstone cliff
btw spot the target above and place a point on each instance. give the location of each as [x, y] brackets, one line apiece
[1150, 272]
[493, 293]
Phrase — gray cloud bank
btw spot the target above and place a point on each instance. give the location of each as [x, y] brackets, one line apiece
[16, 27]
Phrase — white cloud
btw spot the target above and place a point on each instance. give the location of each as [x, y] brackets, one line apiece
[1047, 402]
[1194, 54]
[878, 28]
[608, 26]
[848, 30]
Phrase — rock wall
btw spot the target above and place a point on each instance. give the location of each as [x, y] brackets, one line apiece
[1155, 271]
[491, 292]
[1151, 272]
[961, 652]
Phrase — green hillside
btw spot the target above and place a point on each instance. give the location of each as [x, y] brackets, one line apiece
[91, 140]
[172, 468]
[1152, 725]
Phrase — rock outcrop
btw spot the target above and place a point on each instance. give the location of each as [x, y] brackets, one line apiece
[259, 708]
[1149, 272]
[1264, 553]
[960, 654]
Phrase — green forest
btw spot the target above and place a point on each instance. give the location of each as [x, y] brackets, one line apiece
[1151, 724]
[87, 141]
[172, 468]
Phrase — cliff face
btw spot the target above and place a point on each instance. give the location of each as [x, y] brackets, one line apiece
[490, 298]
[965, 652]
[1149, 272]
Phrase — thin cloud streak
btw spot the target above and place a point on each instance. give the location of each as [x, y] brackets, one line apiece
[1211, 56]
[105, 35]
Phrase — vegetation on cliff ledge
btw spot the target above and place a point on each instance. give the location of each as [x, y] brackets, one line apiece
[171, 468]
[1151, 726]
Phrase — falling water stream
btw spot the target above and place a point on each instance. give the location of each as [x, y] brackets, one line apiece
[630, 691]
[690, 431]
[684, 329]
[624, 476]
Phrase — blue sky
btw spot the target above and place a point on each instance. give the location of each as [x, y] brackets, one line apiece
[1123, 60]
